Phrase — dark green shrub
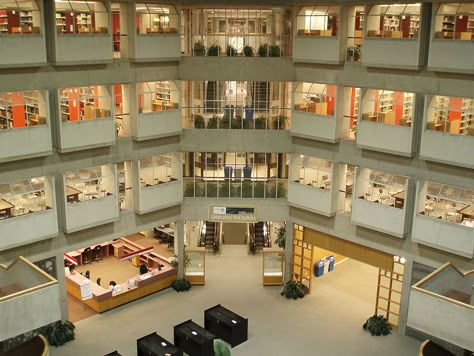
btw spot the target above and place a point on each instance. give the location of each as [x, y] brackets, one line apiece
[214, 50]
[224, 123]
[236, 123]
[212, 190]
[199, 49]
[181, 285]
[275, 51]
[59, 333]
[261, 123]
[294, 290]
[263, 50]
[246, 189]
[248, 51]
[231, 51]
[280, 241]
[189, 189]
[279, 123]
[377, 325]
[199, 122]
[212, 123]
[277, 191]
[259, 190]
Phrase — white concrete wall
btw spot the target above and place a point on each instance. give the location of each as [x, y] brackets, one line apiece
[385, 138]
[85, 214]
[443, 235]
[29, 311]
[317, 49]
[318, 200]
[447, 321]
[30, 48]
[157, 124]
[316, 126]
[159, 196]
[28, 228]
[451, 56]
[447, 148]
[391, 53]
[31, 141]
[380, 217]
[80, 135]
[157, 47]
[76, 49]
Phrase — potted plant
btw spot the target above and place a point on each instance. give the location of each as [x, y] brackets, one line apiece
[259, 190]
[214, 50]
[224, 123]
[353, 53]
[212, 123]
[236, 123]
[377, 325]
[294, 290]
[199, 49]
[263, 50]
[199, 122]
[246, 189]
[181, 285]
[59, 332]
[212, 190]
[281, 237]
[275, 51]
[279, 123]
[261, 123]
[248, 51]
[231, 51]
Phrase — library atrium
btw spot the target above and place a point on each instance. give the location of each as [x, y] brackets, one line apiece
[329, 144]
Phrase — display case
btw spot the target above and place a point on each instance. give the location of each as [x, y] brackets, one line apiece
[273, 266]
[196, 265]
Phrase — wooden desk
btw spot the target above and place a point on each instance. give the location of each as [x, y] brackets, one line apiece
[467, 212]
[399, 199]
[5, 209]
[72, 194]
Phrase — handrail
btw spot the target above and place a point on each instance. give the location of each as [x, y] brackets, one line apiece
[52, 281]
[417, 286]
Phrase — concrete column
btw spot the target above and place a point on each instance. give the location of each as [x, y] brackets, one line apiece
[133, 108]
[179, 246]
[407, 276]
[62, 285]
[288, 250]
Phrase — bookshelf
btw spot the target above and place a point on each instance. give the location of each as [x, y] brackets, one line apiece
[83, 23]
[407, 106]
[61, 22]
[391, 23]
[470, 24]
[3, 22]
[385, 101]
[163, 91]
[448, 25]
[441, 110]
[31, 106]
[26, 19]
[5, 111]
[414, 26]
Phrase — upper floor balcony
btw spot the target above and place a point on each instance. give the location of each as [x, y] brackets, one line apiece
[313, 184]
[155, 33]
[235, 175]
[379, 201]
[90, 197]
[448, 134]
[442, 305]
[391, 36]
[161, 183]
[318, 37]
[385, 122]
[82, 32]
[86, 118]
[158, 111]
[236, 31]
[26, 295]
[25, 129]
[444, 218]
[27, 212]
[315, 111]
[452, 36]
[22, 34]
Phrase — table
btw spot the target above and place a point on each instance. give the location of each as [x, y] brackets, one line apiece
[154, 344]
[467, 212]
[399, 199]
[5, 209]
[194, 339]
[72, 194]
[226, 325]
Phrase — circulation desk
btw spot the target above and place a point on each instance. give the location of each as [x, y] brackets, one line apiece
[155, 345]
[226, 325]
[194, 339]
[140, 286]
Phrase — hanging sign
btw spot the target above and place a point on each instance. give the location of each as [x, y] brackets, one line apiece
[242, 214]
[136, 253]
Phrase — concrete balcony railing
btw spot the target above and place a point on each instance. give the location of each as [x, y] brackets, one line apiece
[159, 196]
[321, 201]
[36, 142]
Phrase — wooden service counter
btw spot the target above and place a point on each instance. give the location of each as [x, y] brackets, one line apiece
[143, 285]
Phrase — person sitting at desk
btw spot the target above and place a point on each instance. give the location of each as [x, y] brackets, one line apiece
[71, 269]
[114, 287]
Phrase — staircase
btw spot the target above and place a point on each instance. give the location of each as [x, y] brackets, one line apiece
[260, 239]
[210, 240]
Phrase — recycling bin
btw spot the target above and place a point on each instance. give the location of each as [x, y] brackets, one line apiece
[331, 260]
[228, 172]
[319, 268]
[248, 112]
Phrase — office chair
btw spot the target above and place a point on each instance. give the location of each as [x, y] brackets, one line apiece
[87, 275]
[98, 280]
[97, 253]
[86, 255]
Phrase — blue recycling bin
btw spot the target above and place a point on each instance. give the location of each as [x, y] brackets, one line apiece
[248, 112]
[228, 172]
[319, 268]
[331, 260]
[247, 171]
